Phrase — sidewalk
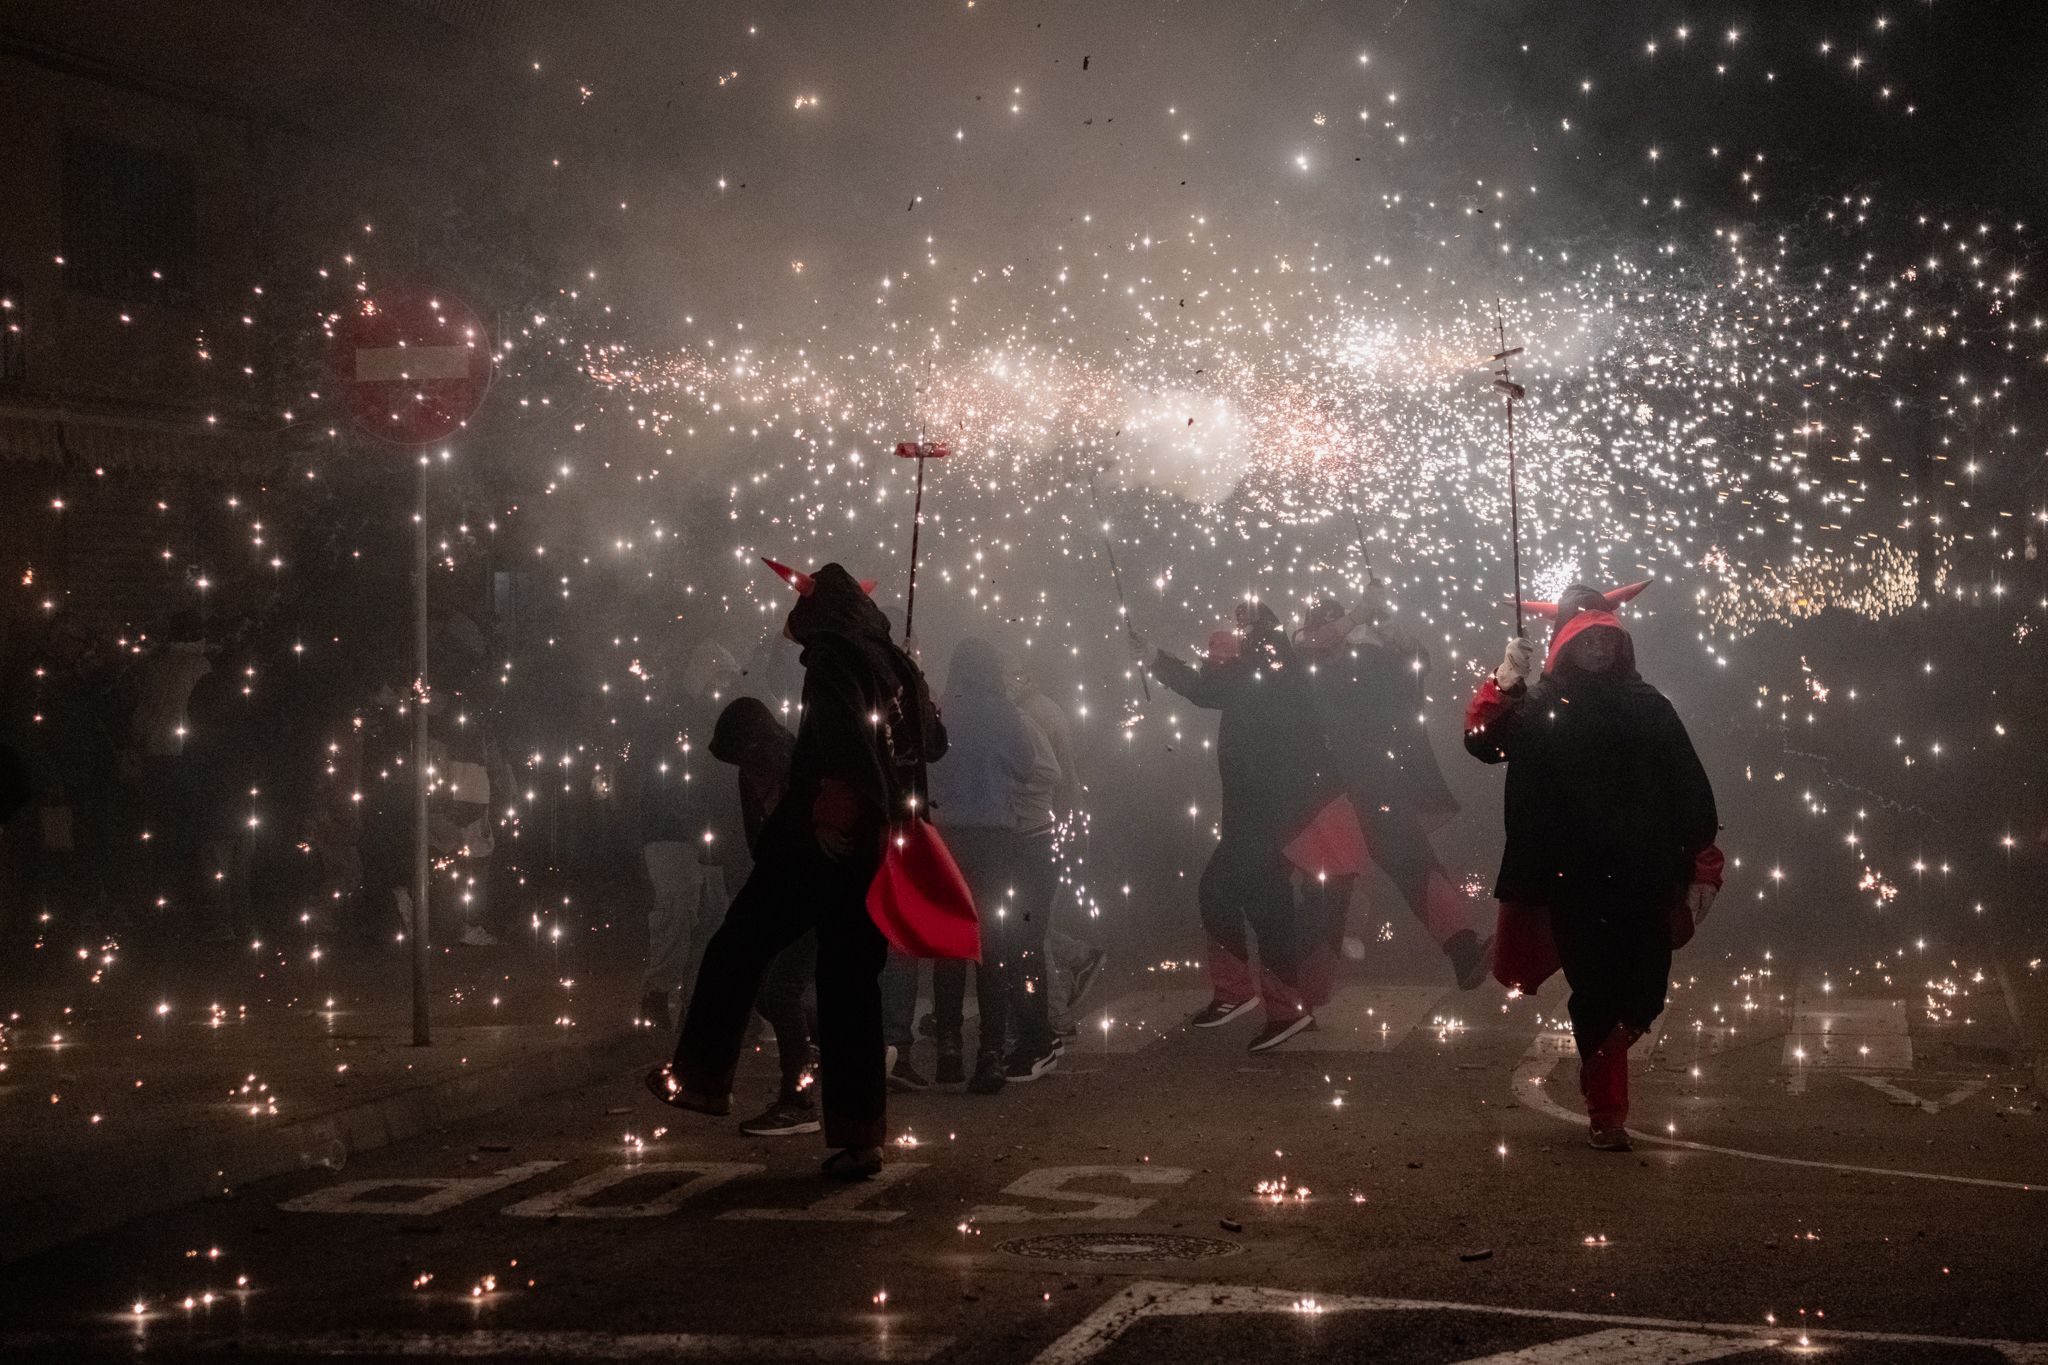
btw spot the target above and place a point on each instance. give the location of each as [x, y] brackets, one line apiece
[130, 1086]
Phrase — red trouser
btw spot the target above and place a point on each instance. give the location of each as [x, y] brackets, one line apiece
[1603, 1078]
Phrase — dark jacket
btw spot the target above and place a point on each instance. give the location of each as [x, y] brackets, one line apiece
[750, 738]
[1370, 697]
[1606, 799]
[1275, 768]
[868, 719]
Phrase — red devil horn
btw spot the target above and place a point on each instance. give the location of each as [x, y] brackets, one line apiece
[796, 578]
[1542, 611]
[1616, 596]
[867, 585]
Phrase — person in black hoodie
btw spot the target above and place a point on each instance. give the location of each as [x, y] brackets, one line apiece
[1276, 775]
[1610, 829]
[751, 739]
[868, 719]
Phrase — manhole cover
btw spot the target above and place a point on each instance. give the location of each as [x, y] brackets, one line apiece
[1130, 1246]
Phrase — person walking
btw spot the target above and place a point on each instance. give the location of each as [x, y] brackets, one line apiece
[974, 798]
[749, 738]
[1276, 775]
[1610, 857]
[1367, 682]
[868, 721]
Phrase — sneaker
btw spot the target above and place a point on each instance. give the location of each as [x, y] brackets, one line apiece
[1027, 1064]
[654, 1010]
[784, 1118]
[1610, 1140]
[989, 1076]
[1217, 1013]
[476, 936]
[903, 1077]
[1084, 977]
[952, 1061]
[1278, 1031]
[1471, 958]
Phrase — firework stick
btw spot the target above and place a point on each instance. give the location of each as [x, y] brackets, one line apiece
[1511, 390]
[1116, 575]
[919, 451]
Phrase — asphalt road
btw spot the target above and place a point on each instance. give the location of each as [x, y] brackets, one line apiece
[1829, 1166]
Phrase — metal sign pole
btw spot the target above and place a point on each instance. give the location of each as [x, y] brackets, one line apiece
[421, 863]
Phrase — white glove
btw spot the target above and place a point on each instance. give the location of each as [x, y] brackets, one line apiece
[1699, 898]
[1141, 648]
[1517, 666]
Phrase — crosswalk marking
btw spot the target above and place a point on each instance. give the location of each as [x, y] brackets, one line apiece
[1625, 1346]
[1618, 1336]
[1141, 1018]
[1904, 1096]
[1370, 1018]
[1847, 1035]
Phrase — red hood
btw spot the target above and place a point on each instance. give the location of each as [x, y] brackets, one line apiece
[1582, 622]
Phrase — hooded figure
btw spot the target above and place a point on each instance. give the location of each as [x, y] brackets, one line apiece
[1610, 834]
[1276, 775]
[868, 724]
[1367, 681]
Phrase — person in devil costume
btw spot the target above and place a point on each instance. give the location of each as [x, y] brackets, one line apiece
[1276, 775]
[868, 720]
[1367, 679]
[1610, 834]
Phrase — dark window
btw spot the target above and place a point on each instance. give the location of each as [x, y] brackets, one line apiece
[130, 220]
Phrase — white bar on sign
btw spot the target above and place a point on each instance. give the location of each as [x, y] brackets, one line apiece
[380, 364]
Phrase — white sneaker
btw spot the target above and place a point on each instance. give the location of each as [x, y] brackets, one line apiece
[476, 936]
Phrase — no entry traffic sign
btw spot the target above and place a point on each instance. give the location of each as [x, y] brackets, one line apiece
[414, 364]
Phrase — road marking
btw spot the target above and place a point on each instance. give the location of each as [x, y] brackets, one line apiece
[1847, 1035]
[843, 1205]
[436, 1194]
[1051, 1184]
[1098, 1331]
[1626, 1346]
[1141, 1018]
[878, 1345]
[568, 1202]
[1907, 1097]
[1369, 1018]
[1530, 1089]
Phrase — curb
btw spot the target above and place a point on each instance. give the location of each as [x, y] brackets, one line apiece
[88, 1200]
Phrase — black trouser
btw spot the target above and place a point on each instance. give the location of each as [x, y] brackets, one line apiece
[794, 887]
[1616, 955]
[1247, 884]
[1013, 879]
[784, 1002]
